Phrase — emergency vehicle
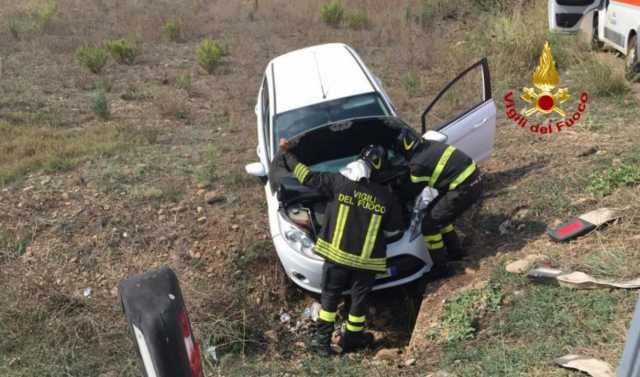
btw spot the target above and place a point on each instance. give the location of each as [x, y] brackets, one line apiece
[611, 23]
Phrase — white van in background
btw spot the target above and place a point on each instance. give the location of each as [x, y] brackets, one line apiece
[614, 23]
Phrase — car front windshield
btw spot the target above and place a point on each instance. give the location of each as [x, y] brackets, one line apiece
[294, 122]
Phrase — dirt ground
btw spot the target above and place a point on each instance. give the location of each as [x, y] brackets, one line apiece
[167, 186]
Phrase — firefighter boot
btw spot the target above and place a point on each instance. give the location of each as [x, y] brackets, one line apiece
[319, 341]
[352, 341]
[441, 268]
[453, 245]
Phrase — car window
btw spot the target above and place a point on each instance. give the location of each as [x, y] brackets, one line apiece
[265, 112]
[294, 122]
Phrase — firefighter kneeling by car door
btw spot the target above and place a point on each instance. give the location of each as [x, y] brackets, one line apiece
[352, 241]
[457, 179]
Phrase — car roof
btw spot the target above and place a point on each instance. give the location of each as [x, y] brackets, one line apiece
[317, 74]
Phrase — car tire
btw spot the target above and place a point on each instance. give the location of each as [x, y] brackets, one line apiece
[632, 62]
[596, 44]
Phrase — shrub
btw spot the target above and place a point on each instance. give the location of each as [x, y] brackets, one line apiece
[171, 30]
[93, 58]
[123, 51]
[100, 105]
[600, 79]
[183, 82]
[332, 13]
[210, 53]
[43, 16]
[357, 20]
[14, 27]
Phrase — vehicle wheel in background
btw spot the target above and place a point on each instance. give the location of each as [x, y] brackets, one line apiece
[632, 64]
[596, 44]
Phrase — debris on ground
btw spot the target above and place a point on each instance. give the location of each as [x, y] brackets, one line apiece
[213, 355]
[513, 221]
[409, 362]
[579, 280]
[213, 197]
[388, 354]
[87, 292]
[586, 364]
[523, 265]
[583, 224]
[312, 312]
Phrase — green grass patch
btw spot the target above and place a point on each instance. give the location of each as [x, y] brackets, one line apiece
[536, 324]
[24, 149]
[605, 181]
[123, 51]
[332, 13]
[92, 58]
[205, 175]
[357, 19]
[209, 54]
[172, 30]
[460, 314]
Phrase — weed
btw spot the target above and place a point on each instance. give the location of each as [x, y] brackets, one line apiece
[100, 104]
[206, 174]
[332, 13]
[172, 30]
[209, 54]
[357, 20]
[172, 104]
[437, 9]
[604, 182]
[123, 51]
[411, 83]
[93, 58]
[459, 315]
[134, 93]
[14, 27]
[42, 16]
[12, 246]
[183, 81]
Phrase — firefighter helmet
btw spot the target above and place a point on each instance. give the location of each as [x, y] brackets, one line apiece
[407, 141]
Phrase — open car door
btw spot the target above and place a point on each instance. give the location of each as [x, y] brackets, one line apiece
[565, 15]
[463, 114]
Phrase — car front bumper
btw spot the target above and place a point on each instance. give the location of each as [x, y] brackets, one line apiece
[306, 272]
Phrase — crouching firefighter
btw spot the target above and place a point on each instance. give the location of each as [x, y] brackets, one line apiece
[458, 181]
[351, 240]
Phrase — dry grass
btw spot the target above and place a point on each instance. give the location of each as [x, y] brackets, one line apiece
[125, 198]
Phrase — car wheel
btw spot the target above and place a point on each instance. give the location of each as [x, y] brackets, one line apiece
[596, 44]
[632, 65]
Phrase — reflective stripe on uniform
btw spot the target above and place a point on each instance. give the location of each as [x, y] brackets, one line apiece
[441, 164]
[327, 316]
[447, 229]
[354, 328]
[434, 241]
[418, 179]
[357, 319]
[301, 171]
[462, 176]
[327, 250]
[343, 212]
[372, 234]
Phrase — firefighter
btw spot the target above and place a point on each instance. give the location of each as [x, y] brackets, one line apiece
[458, 181]
[352, 241]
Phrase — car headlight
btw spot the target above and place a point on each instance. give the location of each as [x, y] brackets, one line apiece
[297, 238]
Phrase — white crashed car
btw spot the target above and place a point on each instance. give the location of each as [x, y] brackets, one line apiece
[330, 105]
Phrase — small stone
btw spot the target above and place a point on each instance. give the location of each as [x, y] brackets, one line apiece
[409, 362]
[213, 197]
[201, 192]
[162, 218]
[125, 235]
[114, 291]
[65, 196]
[160, 211]
[199, 209]
[387, 354]
[271, 335]
[45, 180]
[522, 265]
[235, 227]
[201, 185]
[202, 220]
[178, 209]
[470, 271]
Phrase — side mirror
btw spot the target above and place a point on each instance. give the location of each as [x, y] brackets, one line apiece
[435, 135]
[256, 169]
